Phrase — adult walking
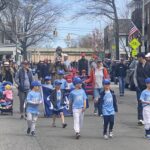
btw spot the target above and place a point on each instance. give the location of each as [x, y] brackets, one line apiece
[97, 75]
[67, 62]
[23, 79]
[83, 64]
[121, 74]
[142, 71]
[7, 72]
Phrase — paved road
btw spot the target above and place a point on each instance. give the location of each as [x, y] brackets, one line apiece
[128, 135]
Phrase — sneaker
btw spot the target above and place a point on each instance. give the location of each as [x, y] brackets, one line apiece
[106, 137]
[53, 125]
[140, 122]
[147, 137]
[22, 117]
[77, 136]
[28, 131]
[111, 134]
[33, 133]
[64, 125]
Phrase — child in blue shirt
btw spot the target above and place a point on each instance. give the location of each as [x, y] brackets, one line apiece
[61, 79]
[48, 82]
[57, 98]
[32, 106]
[107, 107]
[78, 104]
[145, 99]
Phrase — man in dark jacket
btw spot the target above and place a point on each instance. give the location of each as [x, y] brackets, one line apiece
[23, 80]
[121, 74]
[142, 71]
[83, 64]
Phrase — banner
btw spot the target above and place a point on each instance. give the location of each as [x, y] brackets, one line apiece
[48, 105]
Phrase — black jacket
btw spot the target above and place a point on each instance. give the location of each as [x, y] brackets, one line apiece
[53, 98]
[121, 70]
[142, 74]
[83, 65]
[101, 102]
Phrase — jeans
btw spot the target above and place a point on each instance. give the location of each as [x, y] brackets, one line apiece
[108, 121]
[139, 107]
[22, 97]
[121, 84]
[31, 121]
[78, 117]
[96, 97]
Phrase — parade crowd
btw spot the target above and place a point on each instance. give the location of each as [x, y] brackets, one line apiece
[71, 83]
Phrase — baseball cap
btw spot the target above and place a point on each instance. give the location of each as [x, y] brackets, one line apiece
[77, 80]
[35, 83]
[141, 55]
[25, 62]
[106, 82]
[147, 55]
[6, 63]
[60, 72]
[48, 78]
[147, 80]
[99, 60]
[57, 82]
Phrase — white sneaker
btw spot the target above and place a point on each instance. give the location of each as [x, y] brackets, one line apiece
[106, 137]
[111, 134]
[141, 122]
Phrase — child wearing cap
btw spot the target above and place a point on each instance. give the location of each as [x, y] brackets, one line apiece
[145, 99]
[61, 79]
[57, 98]
[78, 104]
[48, 82]
[107, 107]
[32, 106]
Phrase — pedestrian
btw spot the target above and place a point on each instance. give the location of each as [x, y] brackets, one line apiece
[67, 62]
[83, 64]
[57, 98]
[78, 105]
[107, 108]
[34, 99]
[121, 74]
[145, 99]
[7, 72]
[142, 72]
[96, 78]
[60, 78]
[23, 79]
[48, 83]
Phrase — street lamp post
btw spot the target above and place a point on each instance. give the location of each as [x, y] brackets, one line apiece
[143, 26]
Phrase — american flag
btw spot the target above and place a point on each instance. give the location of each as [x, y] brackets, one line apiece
[132, 30]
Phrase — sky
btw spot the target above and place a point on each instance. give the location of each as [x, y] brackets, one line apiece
[81, 26]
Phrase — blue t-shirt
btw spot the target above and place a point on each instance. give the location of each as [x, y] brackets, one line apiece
[77, 97]
[64, 83]
[145, 97]
[108, 107]
[33, 96]
[59, 100]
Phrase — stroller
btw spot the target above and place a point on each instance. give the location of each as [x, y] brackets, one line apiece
[6, 105]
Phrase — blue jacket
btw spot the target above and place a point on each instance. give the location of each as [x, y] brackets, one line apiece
[101, 102]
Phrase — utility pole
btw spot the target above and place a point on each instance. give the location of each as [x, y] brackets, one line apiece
[143, 26]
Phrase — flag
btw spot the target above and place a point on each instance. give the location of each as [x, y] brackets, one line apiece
[132, 30]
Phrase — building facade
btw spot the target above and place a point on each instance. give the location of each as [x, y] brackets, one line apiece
[109, 39]
[136, 16]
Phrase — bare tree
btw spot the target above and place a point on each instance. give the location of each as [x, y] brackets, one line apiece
[3, 4]
[97, 8]
[28, 22]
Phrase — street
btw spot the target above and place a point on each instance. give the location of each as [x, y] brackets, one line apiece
[127, 135]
